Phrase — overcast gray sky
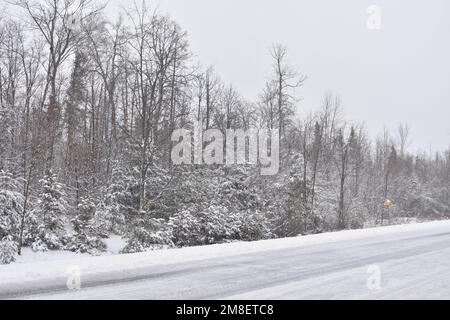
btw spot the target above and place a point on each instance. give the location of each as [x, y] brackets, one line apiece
[400, 73]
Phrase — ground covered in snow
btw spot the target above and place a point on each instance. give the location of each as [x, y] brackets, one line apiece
[114, 244]
[396, 262]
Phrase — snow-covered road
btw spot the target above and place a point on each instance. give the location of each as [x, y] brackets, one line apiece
[410, 262]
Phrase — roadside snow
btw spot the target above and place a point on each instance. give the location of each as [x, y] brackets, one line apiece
[114, 244]
[55, 266]
[28, 256]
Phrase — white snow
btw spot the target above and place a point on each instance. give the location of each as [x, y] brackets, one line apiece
[353, 245]
[28, 256]
[114, 244]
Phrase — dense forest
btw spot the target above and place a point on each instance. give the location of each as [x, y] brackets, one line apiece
[87, 110]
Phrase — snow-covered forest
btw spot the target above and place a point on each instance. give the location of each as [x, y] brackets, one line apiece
[87, 110]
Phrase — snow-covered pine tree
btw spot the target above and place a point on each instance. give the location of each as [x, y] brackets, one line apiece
[11, 204]
[253, 225]
[119, 199]
[185, 228]
[50, 214]
[147, 233]
[8, 250]
[86, 237]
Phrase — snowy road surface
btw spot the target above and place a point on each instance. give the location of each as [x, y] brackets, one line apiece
[410, 262]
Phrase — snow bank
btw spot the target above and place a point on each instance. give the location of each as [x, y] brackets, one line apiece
[33, 271]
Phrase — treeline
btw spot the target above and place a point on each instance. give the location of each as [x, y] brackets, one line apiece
[87, 109]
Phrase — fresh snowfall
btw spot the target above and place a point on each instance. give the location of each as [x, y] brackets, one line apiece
[128, 168]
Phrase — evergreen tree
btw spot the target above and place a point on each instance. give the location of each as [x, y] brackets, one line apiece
[86, 237]
[11, 204]
[8, 250]
[50, 213]
[147, 233]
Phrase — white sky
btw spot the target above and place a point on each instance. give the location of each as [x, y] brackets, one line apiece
[400, 73]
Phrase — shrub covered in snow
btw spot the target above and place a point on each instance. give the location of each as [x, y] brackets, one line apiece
[86, 238]
[11, 204]
[185, 228]
[217, 224]
[254, 225]
[39, 246]
[50, 213]
[8, 250]
[147, 233]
